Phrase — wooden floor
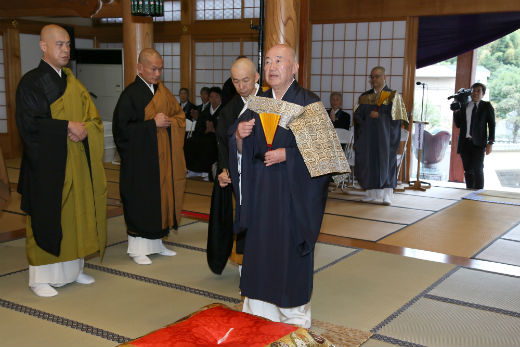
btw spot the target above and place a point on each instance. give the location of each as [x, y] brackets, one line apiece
[375, 267]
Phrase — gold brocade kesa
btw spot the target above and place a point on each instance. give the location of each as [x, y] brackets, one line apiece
[398, 107]
[315, 136]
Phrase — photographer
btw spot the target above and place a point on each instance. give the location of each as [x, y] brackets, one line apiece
[474, 119]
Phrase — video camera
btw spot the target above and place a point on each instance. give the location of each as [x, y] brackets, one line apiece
[461, 99]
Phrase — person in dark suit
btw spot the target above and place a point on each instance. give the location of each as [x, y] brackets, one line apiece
[476, 122]
[184, 100]
[204, 97]
[339, 118]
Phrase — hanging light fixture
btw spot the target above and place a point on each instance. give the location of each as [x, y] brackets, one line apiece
[150, 8]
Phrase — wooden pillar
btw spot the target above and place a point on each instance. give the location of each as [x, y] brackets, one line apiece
[12, 77]
[187, 53]
[466, 69]
[137, 34]
[282, 24]
[305, 48]
[410, 62]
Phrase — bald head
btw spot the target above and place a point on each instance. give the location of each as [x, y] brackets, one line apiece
[55, 46]
[150, 65]
[146, 54]
[244, 76]
[280, 68]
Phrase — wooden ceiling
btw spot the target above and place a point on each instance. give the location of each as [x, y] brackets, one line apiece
[58, 8]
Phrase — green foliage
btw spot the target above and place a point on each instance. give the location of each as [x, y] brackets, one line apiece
[502, 59]
[432, 114]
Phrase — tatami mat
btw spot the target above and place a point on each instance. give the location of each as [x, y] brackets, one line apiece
[196, 203]
[482, 288]
[376, 343]
[407, 201]
[11, 221]
[374, 212]
[496, 196]
[369, 286]
[513, 234]
[357, 228]
[13, 204]
[199, 187]
[18, 325]
[462, 229]
[440, 193]
[434, 323]
[502, 251]
[12, 256]
[124, 306]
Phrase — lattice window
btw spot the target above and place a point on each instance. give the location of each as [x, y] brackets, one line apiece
[112, 20]
[111, 45]
[3, 107]
[172, 12]
[214, 59]
[171, 54]
[344, 53]
[226, 9]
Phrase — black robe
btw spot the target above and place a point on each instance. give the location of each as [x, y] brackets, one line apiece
[282, 209]
[42, 171]
[139, 183]
[187, 109]
[200, 150]
[376, 142]
[342, 119]
[220, 226]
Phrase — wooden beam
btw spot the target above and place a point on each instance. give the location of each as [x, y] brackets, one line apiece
[304, 54]
[327, 11]
[52, 8]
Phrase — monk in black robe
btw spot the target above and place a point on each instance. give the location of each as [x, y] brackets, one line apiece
[284, 191]
[62, 179]
[148, 128]
[220, 227]
[201, 148]
[377, 127]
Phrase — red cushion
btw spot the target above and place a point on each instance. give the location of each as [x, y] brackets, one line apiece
[214, 325]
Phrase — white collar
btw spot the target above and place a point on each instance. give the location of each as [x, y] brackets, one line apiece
[148, 84]
[211, 110]
[274, 96]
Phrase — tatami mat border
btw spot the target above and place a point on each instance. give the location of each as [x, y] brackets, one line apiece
[472, 305]
[362, 218]
[433, 197]
[337, 260]
[475, 256]
[413, 301]
[14, 272]
[162, 283]
[15, 212]
[180, 245]
[69, 323]
[396, 206]
[395, 341]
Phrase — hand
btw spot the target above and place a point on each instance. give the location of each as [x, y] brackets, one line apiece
[76, 131]
[489, 148]
[210, 128]
[194, 114]
[223, 178]
[274, 157]
[374, 114]
[162, 121]
[244, 129]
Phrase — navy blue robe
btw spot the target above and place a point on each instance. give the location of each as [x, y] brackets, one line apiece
[376, 142]
[282, 210]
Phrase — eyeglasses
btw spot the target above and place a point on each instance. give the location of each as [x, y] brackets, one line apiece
[374, 76]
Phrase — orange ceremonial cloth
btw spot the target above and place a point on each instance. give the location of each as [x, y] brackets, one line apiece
[218, 325]
[172, 165]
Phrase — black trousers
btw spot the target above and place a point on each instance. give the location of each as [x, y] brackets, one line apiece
[473, 162]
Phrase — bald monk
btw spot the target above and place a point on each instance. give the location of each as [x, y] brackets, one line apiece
[149, 127]
[283, 191]
[220, 228]
[62, 179]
